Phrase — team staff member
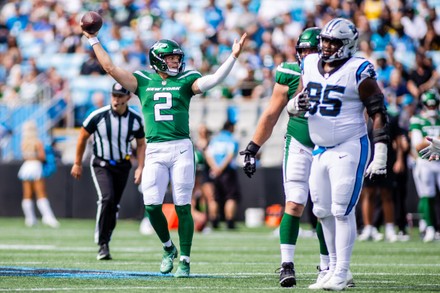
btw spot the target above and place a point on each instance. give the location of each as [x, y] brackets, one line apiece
[114, 126]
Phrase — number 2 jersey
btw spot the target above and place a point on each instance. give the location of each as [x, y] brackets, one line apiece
[336, 113]
[165, 104]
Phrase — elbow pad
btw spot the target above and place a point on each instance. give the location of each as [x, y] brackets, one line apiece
[207, 82]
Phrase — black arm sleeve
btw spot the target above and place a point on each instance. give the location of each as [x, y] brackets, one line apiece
[375, 104]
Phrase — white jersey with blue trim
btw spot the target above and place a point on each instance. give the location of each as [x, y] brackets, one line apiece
[336, 113]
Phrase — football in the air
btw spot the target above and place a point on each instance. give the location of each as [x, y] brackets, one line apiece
[91, 22]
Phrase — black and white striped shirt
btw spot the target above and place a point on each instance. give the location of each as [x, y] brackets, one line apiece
[113, 132]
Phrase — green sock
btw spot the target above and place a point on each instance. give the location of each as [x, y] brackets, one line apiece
[158, 221]
[322, 246]
[186, 228]
[426, 210]
[289, 229]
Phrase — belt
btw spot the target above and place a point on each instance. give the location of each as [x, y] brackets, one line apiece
[114, 162]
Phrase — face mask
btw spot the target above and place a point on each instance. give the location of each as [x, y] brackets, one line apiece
[431, 113]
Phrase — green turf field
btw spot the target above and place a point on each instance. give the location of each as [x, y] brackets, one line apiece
[42, 259]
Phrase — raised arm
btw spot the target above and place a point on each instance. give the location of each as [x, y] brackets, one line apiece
[124, 77]
[207, 82]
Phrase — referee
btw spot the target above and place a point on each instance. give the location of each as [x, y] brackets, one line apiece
[113, 127]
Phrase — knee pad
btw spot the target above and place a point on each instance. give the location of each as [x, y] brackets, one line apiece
[321, 212]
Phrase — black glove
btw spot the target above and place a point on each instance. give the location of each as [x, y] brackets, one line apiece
[304, 101]
[249, 162]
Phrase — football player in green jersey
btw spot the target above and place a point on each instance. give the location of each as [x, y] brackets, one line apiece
[298, 151]
[426, 174]
[165, 96]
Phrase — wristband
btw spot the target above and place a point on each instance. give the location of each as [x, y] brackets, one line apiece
[93, 41]
[253, 148]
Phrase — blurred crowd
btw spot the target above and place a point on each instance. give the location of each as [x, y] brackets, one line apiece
[401, 38]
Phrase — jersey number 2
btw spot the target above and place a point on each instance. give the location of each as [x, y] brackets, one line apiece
[327, 106]
[158, 116]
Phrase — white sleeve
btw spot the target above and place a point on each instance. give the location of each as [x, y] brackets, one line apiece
[207, 82]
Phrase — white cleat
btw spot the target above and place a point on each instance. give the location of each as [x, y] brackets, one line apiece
[335, 283]
[429, 234]
[51, 222]
[323, 277]
[350, 281]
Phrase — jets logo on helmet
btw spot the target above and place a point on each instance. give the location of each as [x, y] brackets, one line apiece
[431, 100]
[309, 39]
[344, 31]
[160, 50]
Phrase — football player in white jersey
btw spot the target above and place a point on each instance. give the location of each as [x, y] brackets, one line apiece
[338, 88]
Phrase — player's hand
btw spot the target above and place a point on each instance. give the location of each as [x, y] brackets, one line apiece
[379, 164]
[89, 35]
[238, 46]
[431, 152]
[76, 171]
[249, 163]
[299, 104]
[138, 176]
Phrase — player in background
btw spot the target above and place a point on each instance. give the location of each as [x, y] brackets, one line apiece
[165, 96]
[426, 174]
[335, 90]
[297, 159]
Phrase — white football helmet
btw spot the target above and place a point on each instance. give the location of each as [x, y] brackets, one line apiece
[343, 30]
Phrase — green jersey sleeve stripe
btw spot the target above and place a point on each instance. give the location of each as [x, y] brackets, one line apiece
[190, 73]
[287, 71]
[141, 74]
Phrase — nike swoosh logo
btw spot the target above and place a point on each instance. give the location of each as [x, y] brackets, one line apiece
[343, 156]
[181, 152]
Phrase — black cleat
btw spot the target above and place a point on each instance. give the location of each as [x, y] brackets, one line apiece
[104, 252]
[287, 275]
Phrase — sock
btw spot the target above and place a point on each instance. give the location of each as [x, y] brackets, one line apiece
[158, 221]
[186, 228]
[344, 242]
[322, 246]
[426, 210]
[328, 229]
[289, 230]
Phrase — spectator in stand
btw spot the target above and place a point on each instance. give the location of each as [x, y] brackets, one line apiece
[91, 66]
[413, 24]
[423, 77]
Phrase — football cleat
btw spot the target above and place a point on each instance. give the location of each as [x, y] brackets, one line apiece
[169, 254]
[182, 270]
[335, 283]
[287, 275]
[323, 277]
[104, 252]
[429, 234]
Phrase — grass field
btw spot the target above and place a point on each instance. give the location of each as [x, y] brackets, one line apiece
[42, 259]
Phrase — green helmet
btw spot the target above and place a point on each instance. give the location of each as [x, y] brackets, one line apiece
[309, 39]
[430, 98]
[164, 48]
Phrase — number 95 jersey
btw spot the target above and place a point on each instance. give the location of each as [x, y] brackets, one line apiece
[336, 112]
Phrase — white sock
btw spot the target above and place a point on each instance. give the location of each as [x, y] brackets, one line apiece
[44, 208]
[185, 258]
[169, 243]
[389, 229]
[346, 235]
[287, 252]
[324, 261]
[28, 210]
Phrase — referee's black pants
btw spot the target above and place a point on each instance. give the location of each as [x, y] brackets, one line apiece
[110, 181]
